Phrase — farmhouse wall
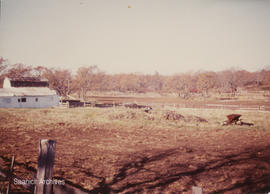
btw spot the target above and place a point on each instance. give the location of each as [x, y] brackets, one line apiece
[29, 101]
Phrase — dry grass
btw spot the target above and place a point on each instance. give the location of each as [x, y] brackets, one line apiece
[24, 119]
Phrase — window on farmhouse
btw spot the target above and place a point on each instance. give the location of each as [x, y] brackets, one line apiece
[19, 100]
[23, 99]
[36, 99]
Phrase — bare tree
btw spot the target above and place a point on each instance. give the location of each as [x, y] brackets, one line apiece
[156, 82]
[227, 82]
[205, 82]
[266, 79]
[59, 80]
[3, 65]
[19, 70]
[86, 79]
[179, 84]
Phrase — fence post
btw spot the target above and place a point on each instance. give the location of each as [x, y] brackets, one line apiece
[10, 173]
[45, 166]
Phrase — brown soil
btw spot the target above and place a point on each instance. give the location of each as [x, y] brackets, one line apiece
[103, 159]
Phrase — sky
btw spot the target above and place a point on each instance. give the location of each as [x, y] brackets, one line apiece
[146, 36]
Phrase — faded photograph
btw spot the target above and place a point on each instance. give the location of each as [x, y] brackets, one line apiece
[134, 96]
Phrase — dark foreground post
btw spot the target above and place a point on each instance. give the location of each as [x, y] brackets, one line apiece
[45, 166]
[10, 173]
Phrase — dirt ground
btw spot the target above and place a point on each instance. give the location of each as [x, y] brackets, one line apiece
[104, 157]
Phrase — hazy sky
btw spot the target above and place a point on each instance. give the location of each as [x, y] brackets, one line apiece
[167, 36]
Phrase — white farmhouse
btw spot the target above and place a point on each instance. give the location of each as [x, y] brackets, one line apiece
[27, 93]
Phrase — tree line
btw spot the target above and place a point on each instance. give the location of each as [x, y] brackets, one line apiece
[91, 78]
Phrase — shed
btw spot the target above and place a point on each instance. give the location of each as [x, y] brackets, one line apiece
[27, 93]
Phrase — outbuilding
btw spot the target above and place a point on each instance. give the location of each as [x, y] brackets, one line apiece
[27, 92]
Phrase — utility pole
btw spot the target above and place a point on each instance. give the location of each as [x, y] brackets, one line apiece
[68, 88]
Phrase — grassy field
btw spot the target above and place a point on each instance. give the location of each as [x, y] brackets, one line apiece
[128, 150]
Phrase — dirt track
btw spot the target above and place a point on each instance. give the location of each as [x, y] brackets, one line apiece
[180, 103]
